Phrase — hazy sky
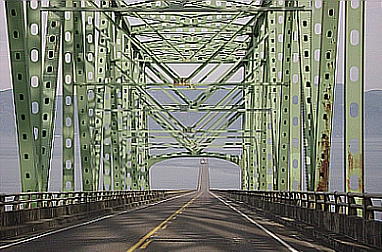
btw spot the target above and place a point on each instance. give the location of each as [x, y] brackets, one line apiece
[373, 61]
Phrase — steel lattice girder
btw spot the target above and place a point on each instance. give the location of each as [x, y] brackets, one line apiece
[211, 75]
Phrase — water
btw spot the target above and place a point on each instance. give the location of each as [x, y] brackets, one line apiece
[182, 173]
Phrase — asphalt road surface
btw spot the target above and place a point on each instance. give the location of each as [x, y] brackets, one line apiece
[198, 221]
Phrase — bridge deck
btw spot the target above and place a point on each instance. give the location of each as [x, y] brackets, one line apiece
[199, 221]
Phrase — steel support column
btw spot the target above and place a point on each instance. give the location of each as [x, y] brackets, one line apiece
[354, 96]
[328, 54]
[19, 57]
[284, 133]
[68, 175]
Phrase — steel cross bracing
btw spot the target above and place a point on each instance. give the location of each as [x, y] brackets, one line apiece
[250, 82]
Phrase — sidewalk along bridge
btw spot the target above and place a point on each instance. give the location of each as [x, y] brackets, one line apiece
[250, 82]
[200, 220]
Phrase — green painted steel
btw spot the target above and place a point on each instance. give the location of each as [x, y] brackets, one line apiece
[295, 111]
[307, 70]
[116, 105]
[89, 57]
[82, 101]
[68, 173]
[316, 33]
[22, 95]
[35, 74]
[248, 82]
[48, 89]
[258, 71]
[326, 84]
[284, 130]
[354, 100]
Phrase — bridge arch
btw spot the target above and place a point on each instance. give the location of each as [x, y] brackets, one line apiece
[162, 157]
[182, 173]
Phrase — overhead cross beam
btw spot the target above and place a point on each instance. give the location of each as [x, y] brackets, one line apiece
[154, 80]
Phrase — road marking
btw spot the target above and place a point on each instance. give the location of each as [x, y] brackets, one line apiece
[21, 241]
[145, 238]
[289, 247]
[146, 244]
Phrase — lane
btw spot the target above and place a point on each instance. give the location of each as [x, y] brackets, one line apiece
[199, 221]
[116, 233]
[212, 224]
[209, 225]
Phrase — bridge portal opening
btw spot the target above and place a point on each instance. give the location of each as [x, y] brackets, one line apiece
[182, 173]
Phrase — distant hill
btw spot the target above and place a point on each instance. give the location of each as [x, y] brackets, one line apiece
[373, 113]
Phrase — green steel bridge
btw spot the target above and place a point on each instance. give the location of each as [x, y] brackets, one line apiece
[250, 82]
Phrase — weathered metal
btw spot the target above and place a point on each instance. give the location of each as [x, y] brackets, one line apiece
[326, 84]
[152, 84]
[354, 97]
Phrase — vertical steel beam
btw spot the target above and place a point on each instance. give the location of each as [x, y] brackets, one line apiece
[120, 64]
[307, 101]
[89, 57]
[82, 101]
[68, 174]
[268, 103]
[316, 32]
[100, 79]
[35, 52]
[246, 164]
[277, 91]
[135, 106]
[283, 160]
[116, 106]
[104, 95]
[260, 126]
[128, 113]
[249, 172]
[295, 111]
[22, 95]
[142, 172]
[272, 116]
[326, 93]
[48, 89]
[354, 96]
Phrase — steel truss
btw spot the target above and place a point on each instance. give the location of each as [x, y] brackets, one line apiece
[250, 82]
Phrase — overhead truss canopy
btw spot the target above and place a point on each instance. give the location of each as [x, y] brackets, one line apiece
[250, 82]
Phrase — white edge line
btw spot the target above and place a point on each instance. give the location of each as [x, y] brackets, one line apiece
[257, 224]
[88, 222]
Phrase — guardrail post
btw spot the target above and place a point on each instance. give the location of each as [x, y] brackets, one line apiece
[351, 201]
[367, 213]
[2, 201]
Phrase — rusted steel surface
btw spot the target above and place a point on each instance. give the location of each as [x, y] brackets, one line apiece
[355, 163]
[326, 83]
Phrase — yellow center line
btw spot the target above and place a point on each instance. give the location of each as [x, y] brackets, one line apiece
[146, 244]
[147, 236]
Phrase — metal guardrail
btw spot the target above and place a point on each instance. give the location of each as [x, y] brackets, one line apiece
[365, 205]
[20, 201]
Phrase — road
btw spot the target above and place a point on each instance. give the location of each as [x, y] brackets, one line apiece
[199, 221]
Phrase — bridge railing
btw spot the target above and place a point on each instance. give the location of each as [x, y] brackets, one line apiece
[365, 205]
[28, 212]
[34, 200]
[322, 214]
